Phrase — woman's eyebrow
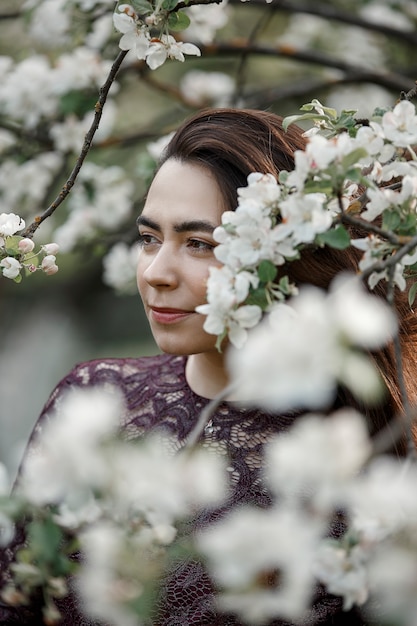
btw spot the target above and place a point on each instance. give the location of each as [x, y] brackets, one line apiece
[181, 227]
[190, 225]
[145, 221]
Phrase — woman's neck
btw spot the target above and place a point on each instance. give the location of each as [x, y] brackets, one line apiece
[206, 374]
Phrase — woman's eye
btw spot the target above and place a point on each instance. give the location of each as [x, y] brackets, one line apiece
[146, 240]
[203, 246]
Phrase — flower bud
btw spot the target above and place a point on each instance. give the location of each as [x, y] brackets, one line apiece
[25, 245]
[50, 248]
[48, 265]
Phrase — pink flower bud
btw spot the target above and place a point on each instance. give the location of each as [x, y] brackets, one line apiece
[48, 265]
[50, 248]
[25, 245]
[52, 269]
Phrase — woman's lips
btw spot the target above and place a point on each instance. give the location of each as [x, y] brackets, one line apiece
[168, 316]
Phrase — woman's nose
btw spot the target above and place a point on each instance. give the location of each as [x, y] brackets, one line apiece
[162, 270]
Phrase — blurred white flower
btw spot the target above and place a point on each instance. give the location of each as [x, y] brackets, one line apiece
[102, 199]
[50, 22]
[206, 20]
[207, 88]
[37, 173]
[392, 573]
[152, 484]
[383, 499]
[296, 360]
[103, 588]
[318, 456]
[251, 547]
[157, 147]
[119, 266]
[343, 572]
[67, 459]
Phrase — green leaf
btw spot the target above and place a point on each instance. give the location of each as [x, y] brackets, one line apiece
[142, 7]
[336, 238]
[12, 245]
[408, 226]
[178, 21]
[412, 294]
[391, 220]
[316, 104]
[169, 5]
[353, 157]
[291, 119]
[45, 538]
[258, 297]
[267, 271]
[284, 285]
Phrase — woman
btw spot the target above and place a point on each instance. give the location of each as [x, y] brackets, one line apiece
[209, 157]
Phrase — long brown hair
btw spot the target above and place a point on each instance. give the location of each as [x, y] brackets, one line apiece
[232, 143]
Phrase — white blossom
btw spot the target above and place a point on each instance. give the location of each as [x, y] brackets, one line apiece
[306, 215]
[400, 124]
[225, 291]
[10, 267]
[10, 223]
[167, 47]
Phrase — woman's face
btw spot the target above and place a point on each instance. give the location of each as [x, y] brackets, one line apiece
[183, 207]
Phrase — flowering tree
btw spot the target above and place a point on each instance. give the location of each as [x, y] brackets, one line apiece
[90, 502]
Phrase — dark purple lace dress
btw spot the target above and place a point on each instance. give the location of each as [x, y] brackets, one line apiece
[158, 396]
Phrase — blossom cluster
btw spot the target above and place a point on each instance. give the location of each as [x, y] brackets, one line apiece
[121, 501]
[320, 467]
[17, 253]
[137, 37]
[275, 220]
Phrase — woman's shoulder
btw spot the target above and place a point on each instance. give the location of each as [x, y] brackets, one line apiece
[132, 376]
[119, 370]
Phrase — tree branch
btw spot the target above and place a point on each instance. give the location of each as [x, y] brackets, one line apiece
[389, 80]
[328, 12]
[31, 229]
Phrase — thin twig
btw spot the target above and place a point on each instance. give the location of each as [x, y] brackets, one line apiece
[31, 229]
[369, 227]
[380, 266]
